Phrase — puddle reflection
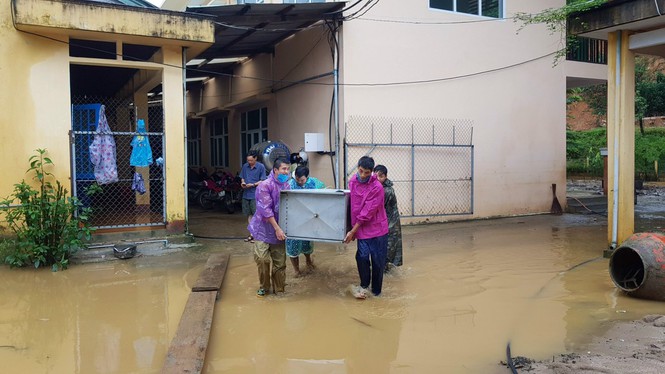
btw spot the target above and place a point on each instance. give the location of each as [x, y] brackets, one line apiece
[466, 290]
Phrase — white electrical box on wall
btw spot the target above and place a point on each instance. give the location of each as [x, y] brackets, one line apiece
[314, 142]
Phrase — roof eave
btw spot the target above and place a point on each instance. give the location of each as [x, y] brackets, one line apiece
[80, 18]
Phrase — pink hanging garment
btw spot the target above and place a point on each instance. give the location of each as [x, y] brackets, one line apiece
[102, 151]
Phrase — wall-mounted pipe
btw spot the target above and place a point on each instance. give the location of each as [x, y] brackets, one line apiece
[615, 156]
[97, 246]
[184, 119]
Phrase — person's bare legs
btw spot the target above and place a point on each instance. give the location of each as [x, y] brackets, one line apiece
[249, 237]
[310, 263]
[295, 261]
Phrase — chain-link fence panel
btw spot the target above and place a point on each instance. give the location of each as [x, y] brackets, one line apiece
[137, 196]
[429, 160]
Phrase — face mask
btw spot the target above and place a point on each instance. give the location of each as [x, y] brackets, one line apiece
[282, 178]
[362, 180]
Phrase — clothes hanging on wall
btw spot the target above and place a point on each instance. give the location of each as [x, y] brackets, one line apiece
[138, 184]
[141, 151]
[102, 151]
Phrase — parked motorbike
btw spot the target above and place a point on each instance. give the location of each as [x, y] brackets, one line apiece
[195, 184]
[213, 193]
[232, 188]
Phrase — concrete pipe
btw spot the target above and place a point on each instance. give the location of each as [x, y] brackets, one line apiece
[637, 266]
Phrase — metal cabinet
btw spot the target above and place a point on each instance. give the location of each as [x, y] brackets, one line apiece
[317, 215]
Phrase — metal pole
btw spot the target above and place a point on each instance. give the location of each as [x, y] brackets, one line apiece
[346, 154]
[472, 179]
[336, 108]
[617, 93]
[184, 115]
[413, 174]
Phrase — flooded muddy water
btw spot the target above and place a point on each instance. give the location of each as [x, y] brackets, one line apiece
[465, 291]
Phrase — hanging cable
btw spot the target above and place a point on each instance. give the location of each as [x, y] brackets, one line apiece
[362, 11]
[657, 7]
[345, 9]
[273, 81]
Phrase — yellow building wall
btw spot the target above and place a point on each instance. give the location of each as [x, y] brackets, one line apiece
[174, 127]
[34, 102]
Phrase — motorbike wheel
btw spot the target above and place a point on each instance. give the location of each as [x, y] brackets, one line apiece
[194, 198]
[228, 203]
[205, 200]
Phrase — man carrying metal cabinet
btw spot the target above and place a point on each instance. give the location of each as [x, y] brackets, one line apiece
[264, 228]
[370, 227]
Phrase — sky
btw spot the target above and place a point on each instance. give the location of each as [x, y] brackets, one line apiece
[157, 3]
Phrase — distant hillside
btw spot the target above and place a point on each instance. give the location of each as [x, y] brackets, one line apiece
[580, 117]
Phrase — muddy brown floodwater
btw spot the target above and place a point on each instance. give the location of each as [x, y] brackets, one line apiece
[465, 291]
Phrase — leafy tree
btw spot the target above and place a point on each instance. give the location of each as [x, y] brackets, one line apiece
[555, 20]
[649, 91]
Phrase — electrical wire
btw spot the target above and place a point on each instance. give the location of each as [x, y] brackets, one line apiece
[361, 18]
[362, 11]
[272, 81]
[509, 360]
[434, 22]
[346, 8]
[433, 80]
[334, 50]
[305, 56]
[251, 28]
[509, 357]
[587, 208]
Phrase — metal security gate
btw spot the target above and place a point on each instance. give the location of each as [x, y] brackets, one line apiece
[429, 160]
[117, 204]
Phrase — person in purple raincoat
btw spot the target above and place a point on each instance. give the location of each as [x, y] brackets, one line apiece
[268, 236]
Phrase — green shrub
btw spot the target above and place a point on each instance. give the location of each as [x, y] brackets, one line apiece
[583, 152]
[48, 225]
[649, 147]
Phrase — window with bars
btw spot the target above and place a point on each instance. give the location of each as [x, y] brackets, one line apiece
[194, 143]
[485, 8]
[253, 129]
[219, 142]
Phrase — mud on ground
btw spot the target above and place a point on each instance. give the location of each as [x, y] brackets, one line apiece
[626, 348]
[649, 207]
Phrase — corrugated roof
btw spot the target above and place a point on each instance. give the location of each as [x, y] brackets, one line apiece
[134, 3]
[249, 29]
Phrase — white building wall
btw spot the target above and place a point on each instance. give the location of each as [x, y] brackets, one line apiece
[518, 112]
[517, 108]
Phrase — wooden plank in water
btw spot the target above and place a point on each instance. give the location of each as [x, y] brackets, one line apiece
[212, 275]
[188, 348]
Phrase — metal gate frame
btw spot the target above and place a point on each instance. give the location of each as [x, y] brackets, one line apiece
[78, 138]
[414, 146]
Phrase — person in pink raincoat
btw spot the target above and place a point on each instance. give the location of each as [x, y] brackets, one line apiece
[370, 227]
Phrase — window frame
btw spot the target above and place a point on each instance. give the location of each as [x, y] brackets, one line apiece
[303, 1]
[219, 142]
[194, 144]
[502, 9]
[247, 135]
